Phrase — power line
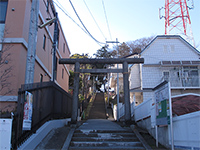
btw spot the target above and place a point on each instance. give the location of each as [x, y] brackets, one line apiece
[83, 24]
[94, 19]
[65, 12]
[106, 19]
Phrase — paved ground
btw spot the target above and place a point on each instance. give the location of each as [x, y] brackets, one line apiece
[55, 139]
[99, 124]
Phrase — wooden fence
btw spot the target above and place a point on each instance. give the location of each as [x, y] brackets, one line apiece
[49, 102]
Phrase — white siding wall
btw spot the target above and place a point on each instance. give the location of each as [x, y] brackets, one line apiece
[148, 95]
[175, 49]
[151, 76]
[135, 76]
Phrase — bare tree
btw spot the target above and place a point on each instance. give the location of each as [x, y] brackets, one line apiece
[127, 48]
[5, 69]
[138, 45]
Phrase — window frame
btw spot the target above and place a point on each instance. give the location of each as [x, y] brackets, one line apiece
[165, 78]
[44, 42]
[63, 47]
[5, 12]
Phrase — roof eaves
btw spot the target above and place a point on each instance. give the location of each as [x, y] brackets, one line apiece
[149, 44]
[130, 55]
[168, 36]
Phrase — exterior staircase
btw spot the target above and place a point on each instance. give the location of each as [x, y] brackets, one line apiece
[123, 139]
[98, 133]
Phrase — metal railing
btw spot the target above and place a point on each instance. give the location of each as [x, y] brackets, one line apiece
[190, 81]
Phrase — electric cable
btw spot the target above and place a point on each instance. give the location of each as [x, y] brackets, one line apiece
[94, 19]
[64, 11]
[106, 19]
[84, 25]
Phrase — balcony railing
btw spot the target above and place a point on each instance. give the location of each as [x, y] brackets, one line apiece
[190, 81]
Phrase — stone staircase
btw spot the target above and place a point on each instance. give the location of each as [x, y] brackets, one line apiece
[105, 139]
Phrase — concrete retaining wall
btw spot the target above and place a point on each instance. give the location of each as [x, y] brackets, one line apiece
[35, 139]
[163, 135]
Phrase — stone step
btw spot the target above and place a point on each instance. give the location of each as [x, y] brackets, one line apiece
[105, 144]
[107, 148]
[104, 139]
[117, 139]
[104, 135]
[103, 131]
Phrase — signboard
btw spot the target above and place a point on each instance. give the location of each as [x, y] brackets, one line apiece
[162, 105]
[5, 133]
[28, 108]
[164, 108]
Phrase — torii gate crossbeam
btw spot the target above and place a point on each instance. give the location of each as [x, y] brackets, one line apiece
[77, 71]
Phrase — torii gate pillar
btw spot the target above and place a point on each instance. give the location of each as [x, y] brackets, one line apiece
[75, 93]
[126, 92]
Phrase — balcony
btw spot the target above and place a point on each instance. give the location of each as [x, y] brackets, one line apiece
[190, 81]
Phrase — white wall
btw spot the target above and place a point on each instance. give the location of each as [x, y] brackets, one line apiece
[151, 77]
[135, 76]
[187, 130]
[180, 51]
[143, 110]
[186, 127]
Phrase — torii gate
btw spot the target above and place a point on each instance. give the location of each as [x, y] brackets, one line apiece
[77, 71]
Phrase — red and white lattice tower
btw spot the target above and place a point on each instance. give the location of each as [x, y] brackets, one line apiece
[177, 19]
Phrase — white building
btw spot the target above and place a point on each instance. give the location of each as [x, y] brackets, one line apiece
[167, 57]
[170, 58]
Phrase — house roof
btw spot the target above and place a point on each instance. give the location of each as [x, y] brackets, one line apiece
[171, 36]
[130, 55]
[185, 104]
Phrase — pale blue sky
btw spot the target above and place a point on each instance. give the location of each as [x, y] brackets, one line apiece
[128, 20]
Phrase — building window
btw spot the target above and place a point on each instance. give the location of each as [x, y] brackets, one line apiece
[190, 72]
[168, 48]
[165, 48]
[172, 48]
[47, 6]
[63, 47]
[166, 75]
[3, 10]
[41, 78]
[44, 42]
[190, 76]
[56, 68]
[62, 73]
[58, 38]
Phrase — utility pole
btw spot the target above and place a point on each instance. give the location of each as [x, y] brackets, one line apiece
[32, 42]
[117, 77]
[55, 40]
